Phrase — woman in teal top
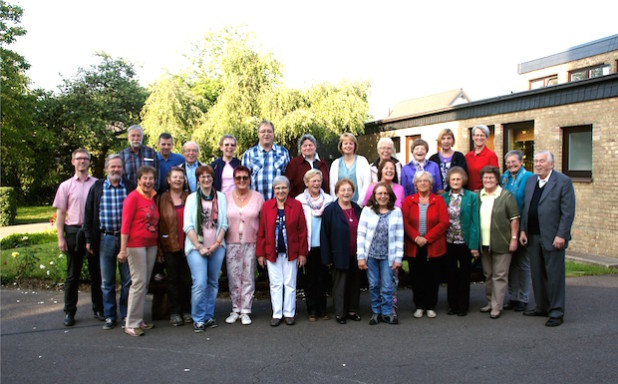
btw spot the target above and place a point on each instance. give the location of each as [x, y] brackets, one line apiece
[462, 239]
[350, 166]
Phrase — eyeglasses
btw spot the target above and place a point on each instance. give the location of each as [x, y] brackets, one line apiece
[229, 145]
[81, 159]
[241, 178]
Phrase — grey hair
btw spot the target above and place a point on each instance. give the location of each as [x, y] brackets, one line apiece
[226, 136]
[112, 157]
[266, 122]
[515, 152]
[386, 140]
[281, 180]
[307, 136]
[418, 175]
[191, 142]
[312, 172]
[135, 127]
[550, 156]
[483, 128]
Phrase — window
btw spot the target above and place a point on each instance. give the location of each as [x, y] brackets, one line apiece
[589, 73]
[577, 151]
[543, 82]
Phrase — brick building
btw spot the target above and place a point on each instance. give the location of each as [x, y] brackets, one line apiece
[569, 106]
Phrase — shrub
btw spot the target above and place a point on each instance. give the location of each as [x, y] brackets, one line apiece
[16, 239]
[8, 206]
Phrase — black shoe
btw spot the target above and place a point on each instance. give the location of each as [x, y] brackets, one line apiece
[375, 319]
[341, 319]
[390, 319]
[535, 312]
[520, 307]
[290, 321]
[99, 315]
[462, 313]
[274, 322]
[69, 320]
[510, 305]
[451, 311]
[354, 316]
[199, 327]
[554, 322]
[109, 324]
[211, 323]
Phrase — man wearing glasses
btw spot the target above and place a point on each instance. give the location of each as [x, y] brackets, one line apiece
[266, 160]
[69, 203]
[225, 165]
[191, 152]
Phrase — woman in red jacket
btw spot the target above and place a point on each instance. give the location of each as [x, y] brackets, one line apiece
[282, 247]
[138, 245]
[425, 221]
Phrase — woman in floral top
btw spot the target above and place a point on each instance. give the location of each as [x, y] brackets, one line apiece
[462, 240]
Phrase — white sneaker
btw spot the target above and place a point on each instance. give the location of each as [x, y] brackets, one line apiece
[245, 319]
[418, 313]
[431, 313]
[231, 319]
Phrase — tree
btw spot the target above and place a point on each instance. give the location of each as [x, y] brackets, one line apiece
[98, 104]
[174, 108]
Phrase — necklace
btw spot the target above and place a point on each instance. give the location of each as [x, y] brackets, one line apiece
[350, 215]
[243, 198]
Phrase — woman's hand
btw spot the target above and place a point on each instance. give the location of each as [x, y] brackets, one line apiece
[262, 261]
[396, 265]
[362, 264]
[202, 250]
[421, 241]
[475, 253]
[302, 260]
[122, 256]
[513, 245]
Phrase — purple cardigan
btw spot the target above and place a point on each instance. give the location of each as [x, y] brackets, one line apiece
[407, 177]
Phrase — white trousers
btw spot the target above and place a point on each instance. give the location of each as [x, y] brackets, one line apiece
[282, 276]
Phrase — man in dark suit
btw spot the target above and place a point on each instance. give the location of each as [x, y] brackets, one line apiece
[547, 217]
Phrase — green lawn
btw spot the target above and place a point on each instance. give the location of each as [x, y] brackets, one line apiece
[36, 214]
[574, 269]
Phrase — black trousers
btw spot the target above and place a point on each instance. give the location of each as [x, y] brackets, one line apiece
[425, 273]
[178, 283]
[315, 283]
[458, 268]
[75, 261]
[346, 289]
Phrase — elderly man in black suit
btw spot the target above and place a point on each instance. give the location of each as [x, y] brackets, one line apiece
[546, 220]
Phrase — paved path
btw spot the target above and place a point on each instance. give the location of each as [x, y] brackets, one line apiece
[25, 228]
[36, 348]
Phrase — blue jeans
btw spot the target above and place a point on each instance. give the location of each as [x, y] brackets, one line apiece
[205, 276]
[380, 277]
[108, 253]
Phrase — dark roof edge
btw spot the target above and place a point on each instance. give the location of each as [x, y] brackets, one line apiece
[560, 94]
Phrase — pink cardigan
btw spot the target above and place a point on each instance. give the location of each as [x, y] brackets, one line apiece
[251, 215]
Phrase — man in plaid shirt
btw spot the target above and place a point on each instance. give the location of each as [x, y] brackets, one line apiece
[266, 160]
[138, 155]
[102, 219]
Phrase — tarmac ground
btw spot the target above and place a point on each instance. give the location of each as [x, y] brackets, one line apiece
[37, 348]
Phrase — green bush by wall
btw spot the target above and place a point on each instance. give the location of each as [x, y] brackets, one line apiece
[8, 206]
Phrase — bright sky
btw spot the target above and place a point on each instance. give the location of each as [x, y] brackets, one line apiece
[405, 50]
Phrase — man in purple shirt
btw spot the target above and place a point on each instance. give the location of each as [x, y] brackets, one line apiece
[69, 203]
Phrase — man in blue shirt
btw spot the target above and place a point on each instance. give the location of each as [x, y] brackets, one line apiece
[266, 160]
[191, 151]
[138, 155]
[167, 159]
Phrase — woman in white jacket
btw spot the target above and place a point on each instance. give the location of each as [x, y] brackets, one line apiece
[350, 166]
[380, 250]
[315, 281]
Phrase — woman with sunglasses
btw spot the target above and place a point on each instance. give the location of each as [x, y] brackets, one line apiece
[243, 217]
[225, 165]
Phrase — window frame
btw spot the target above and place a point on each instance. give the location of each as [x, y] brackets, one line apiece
[588, 70]
[545, 81]
[578, 175]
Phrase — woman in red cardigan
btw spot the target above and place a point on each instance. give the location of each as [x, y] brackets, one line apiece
[282, 247]
[138, 245]
[425, 221]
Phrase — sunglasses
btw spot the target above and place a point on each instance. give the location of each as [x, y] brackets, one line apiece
[241, 178]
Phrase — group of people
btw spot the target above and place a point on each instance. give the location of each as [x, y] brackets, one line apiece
[296, 215]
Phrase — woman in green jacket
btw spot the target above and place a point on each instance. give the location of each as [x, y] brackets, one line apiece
[499, 229]
[462, 239]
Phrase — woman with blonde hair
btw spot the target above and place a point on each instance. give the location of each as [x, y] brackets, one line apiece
[447, 157]
[350, 166]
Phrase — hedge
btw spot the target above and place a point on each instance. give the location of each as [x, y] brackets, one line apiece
[8, 206]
